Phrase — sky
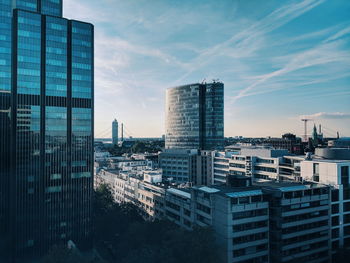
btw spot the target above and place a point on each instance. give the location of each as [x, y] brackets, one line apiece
[280, 61]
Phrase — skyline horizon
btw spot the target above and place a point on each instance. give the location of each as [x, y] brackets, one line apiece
[276, 60]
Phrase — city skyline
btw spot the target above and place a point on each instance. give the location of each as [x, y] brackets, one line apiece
[278, 60]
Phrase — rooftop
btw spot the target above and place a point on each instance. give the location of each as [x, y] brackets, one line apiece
[236, 191]
[322, 160]
[287, 186]
[182, 193]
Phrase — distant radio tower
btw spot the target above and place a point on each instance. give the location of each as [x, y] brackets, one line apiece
[305, 129]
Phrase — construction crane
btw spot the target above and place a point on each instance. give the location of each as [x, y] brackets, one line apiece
[305, 128]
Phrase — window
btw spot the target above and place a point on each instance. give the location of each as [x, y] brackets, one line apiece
[249, 238]
[316, 171]
[335, 233]
[238, 252]
[347, 219]
[234, 201]
[335, 221]
[335, 195]
[244, 200]
[347, 207]
[347, 230]
[316, 168]
[256, 198]
[335, 245]
[335, 209]
[345, 176]
[252, 213]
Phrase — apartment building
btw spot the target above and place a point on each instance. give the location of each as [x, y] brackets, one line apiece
[331, 166]
[299, 221]
[241, 224]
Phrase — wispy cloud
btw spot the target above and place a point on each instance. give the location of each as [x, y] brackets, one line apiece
[255, 47]
[326, 115]
[247, 41]
[320, 55]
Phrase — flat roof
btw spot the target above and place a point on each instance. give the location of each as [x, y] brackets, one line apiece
[209, 189]
[238, 191]
[245, 193]
[178, 192]
[322, 160]
[289, 186]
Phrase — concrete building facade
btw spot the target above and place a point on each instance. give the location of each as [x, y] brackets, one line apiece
[299, 222]
[336, 174]
[186, 166]
[254, 162]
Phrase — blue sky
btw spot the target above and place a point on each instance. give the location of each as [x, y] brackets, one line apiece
[279, 60]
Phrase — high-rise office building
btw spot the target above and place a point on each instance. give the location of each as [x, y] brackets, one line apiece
[195, 116]
[115, 132]
[46, 129]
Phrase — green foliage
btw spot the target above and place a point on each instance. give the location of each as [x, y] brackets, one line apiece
[163, 241]
[61, 254]
[138, 147]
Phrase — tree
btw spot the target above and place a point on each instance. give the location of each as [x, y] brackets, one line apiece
[139, 147]
[61, 254]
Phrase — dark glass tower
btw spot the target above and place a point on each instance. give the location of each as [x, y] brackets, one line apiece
[46, 127]
[115, 132]
[195, 116]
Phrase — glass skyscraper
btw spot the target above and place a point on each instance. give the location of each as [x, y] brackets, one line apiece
[115, 132]
[195, 116]
[46, 128]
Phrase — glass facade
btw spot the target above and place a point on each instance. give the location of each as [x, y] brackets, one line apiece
[5, 106]
[5, 47]
[51, 7]
[56, 56]
[81, 60]
[195, 116]
[46, 127]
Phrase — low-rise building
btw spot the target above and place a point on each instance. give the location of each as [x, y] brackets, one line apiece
[141, 188]
[288, 141]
